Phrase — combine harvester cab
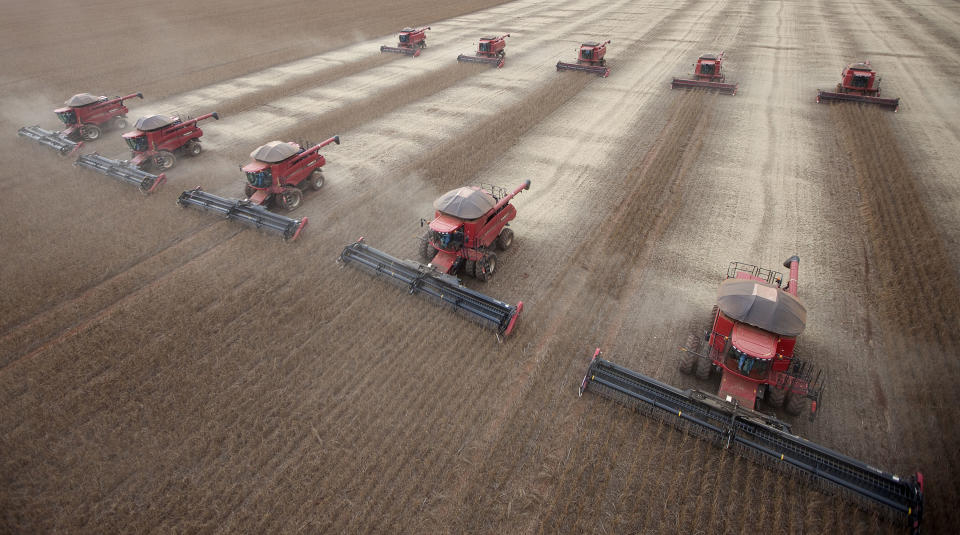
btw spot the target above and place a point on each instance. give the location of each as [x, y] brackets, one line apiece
[85, 117]
[707, 74]
[154, 144]
[490, 51]
[279, 174]
[759, 437]
[410, 42]
[467, 224]
[859, 83]
[751, 339]
[589, 59]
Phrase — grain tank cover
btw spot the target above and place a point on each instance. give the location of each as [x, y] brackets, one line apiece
[81, 99]
[154, 122]
[275, 151]
[762, 305]
[465, 203]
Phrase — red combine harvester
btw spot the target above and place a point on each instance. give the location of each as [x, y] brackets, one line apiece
[859, 83]
[279, 174]
[154, 144]
[590, 60]
[707, 74]
[490, 51]
[411, 42]
[754, 328]
[86, 116]
[468, 223]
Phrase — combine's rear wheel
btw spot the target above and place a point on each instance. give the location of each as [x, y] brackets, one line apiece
[290, 198]
[796, 403]
[505, 239]
[316, 180]
[689, 358]
[89, 132]
[427, 250]
[119, 123]
[164, 160]
[193, 148]
[486, 267]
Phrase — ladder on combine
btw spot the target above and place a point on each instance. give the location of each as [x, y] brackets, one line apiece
[760, 436]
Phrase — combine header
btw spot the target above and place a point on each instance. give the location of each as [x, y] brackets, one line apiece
[411, 42]
[279, 174]
[85, 117]
[751, 339]
[590, 59]
[707, 74]
[431, 282]
[859, 83]
[758, 436]
[490, 51]
[154, 144]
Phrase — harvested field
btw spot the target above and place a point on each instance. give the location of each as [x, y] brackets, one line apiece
[165, 370]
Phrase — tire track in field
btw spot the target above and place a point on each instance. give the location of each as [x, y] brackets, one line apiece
[67, 318]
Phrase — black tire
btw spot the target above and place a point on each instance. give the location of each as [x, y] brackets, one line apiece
[470, 268]
[164, 160]
[316, 180]
[120, 123]
[193, 148]
[795, 404]
[505, 239]
[688, 360]
[776, 396]
[90, 132]
[486, 267]
[290, 198]
[427, 250]
[703, 368]
[713, 318]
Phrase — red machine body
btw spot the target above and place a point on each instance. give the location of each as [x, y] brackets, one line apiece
[282, 170]
[461, 238]
[859, 83]
[589, 59]
[410, 42]
[158, 138]
[754, 349]
[86, 115]
[707, 74]
[490, 50]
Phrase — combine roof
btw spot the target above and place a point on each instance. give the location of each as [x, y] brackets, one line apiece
[275, 151]
[81, 99]
[407, 30]
[154, 122]
[762, 305]
[861, 67]
[708, 56]
[591, 43]
[468, 202]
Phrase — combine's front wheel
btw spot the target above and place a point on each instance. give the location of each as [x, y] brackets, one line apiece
[689, 358]
[505, 239]
[164, 160]
[704, 367]
[776, 395]
[290, 198]
[427, 250]
[316, 180]
[796, 403]
[89, 132]
[486, 267]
